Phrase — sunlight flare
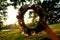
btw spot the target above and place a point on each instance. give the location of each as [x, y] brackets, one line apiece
[11, 15]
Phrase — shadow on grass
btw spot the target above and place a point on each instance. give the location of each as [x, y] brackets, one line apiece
[36, 37]
[46, 38]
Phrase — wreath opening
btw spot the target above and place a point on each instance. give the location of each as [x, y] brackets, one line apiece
[37, 10]
[29, 19]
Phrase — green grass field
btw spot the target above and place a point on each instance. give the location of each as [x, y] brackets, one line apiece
[16, 34]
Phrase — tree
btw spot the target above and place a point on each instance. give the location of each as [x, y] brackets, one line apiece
[1, 25]
[52, 10]
[3, 12]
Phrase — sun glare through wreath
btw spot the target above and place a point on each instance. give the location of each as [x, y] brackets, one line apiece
[37, 10]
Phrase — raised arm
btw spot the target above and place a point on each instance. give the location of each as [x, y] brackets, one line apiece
[49, 31]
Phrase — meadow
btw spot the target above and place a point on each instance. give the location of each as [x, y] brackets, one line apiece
[16, 34]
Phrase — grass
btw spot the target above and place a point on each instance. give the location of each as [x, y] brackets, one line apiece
[16, 34]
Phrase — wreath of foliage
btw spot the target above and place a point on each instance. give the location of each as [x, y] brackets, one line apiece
[37, 9]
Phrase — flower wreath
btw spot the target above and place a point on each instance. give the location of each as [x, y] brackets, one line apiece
[37, 9]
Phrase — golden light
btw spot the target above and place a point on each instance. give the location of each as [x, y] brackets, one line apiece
[28, 20]
[26, 17]
[11, 19]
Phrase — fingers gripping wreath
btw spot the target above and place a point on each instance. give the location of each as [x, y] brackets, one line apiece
[37, 9]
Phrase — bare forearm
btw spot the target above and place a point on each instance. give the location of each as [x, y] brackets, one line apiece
[49, 32]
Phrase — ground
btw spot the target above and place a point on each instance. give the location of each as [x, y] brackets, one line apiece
[16, 34]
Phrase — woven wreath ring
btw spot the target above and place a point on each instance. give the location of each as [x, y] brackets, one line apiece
[37, 9]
